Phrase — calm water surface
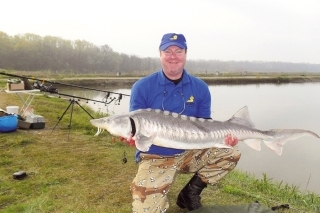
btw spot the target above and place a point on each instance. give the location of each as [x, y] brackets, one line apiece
[270, 107]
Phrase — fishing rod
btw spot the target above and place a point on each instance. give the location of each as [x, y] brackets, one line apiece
[104, 100]
[64, 84]
[89, 99]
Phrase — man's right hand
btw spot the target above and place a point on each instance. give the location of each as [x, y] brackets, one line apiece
[231, 140]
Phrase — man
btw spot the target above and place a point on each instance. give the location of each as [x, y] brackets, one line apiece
[173, 89]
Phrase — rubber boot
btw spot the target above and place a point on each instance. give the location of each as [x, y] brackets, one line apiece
[189, 196]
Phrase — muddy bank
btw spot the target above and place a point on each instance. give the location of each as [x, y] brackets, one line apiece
[129, 81]
[102, 82]
[261, 80]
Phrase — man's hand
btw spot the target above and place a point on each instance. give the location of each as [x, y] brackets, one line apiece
[129, 140]
[230, 140]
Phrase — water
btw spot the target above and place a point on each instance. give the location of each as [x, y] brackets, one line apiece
[270, 106]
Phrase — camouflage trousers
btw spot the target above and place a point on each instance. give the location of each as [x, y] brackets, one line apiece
[156, 174]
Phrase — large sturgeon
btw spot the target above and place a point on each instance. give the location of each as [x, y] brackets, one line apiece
[166, 129]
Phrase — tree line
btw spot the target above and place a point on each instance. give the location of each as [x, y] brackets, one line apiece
[32, 52]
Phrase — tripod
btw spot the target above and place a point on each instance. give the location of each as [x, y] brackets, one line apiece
[72, 102]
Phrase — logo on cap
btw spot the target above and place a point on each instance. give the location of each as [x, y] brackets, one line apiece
[175, 37]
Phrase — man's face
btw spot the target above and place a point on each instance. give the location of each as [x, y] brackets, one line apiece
[173, 60]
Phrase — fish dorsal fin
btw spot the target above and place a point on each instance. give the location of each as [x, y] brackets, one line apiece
[242, 117]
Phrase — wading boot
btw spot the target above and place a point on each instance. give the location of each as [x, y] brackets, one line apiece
[189, 196]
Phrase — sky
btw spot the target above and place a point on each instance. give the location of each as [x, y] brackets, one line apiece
[237, 30]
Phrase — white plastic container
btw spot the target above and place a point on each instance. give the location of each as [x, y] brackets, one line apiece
[13, 109]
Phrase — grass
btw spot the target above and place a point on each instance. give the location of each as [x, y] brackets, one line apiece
[79, 172]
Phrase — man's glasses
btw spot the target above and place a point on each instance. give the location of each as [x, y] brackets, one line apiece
[169, 53]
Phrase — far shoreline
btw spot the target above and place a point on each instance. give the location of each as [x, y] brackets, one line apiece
[127, 80]
[211, 80]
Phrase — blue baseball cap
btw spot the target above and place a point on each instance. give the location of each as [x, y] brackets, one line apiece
[173, 39]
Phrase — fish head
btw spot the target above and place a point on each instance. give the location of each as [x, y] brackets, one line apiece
[117, 125]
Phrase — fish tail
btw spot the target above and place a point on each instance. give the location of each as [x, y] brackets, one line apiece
[280, 136]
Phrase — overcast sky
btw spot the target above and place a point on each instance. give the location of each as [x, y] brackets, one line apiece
[240, 30]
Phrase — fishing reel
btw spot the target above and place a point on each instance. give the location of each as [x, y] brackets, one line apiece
[124, 159]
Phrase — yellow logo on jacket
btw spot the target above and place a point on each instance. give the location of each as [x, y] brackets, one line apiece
[191, 99]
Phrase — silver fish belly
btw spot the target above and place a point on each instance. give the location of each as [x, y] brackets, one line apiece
[166, 129]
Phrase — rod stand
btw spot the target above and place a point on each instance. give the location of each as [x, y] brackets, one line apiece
[72, 102]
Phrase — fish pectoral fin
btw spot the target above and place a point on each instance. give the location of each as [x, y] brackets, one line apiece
[143, 142]
[253, 143]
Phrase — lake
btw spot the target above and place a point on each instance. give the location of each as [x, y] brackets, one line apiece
[271, 106]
